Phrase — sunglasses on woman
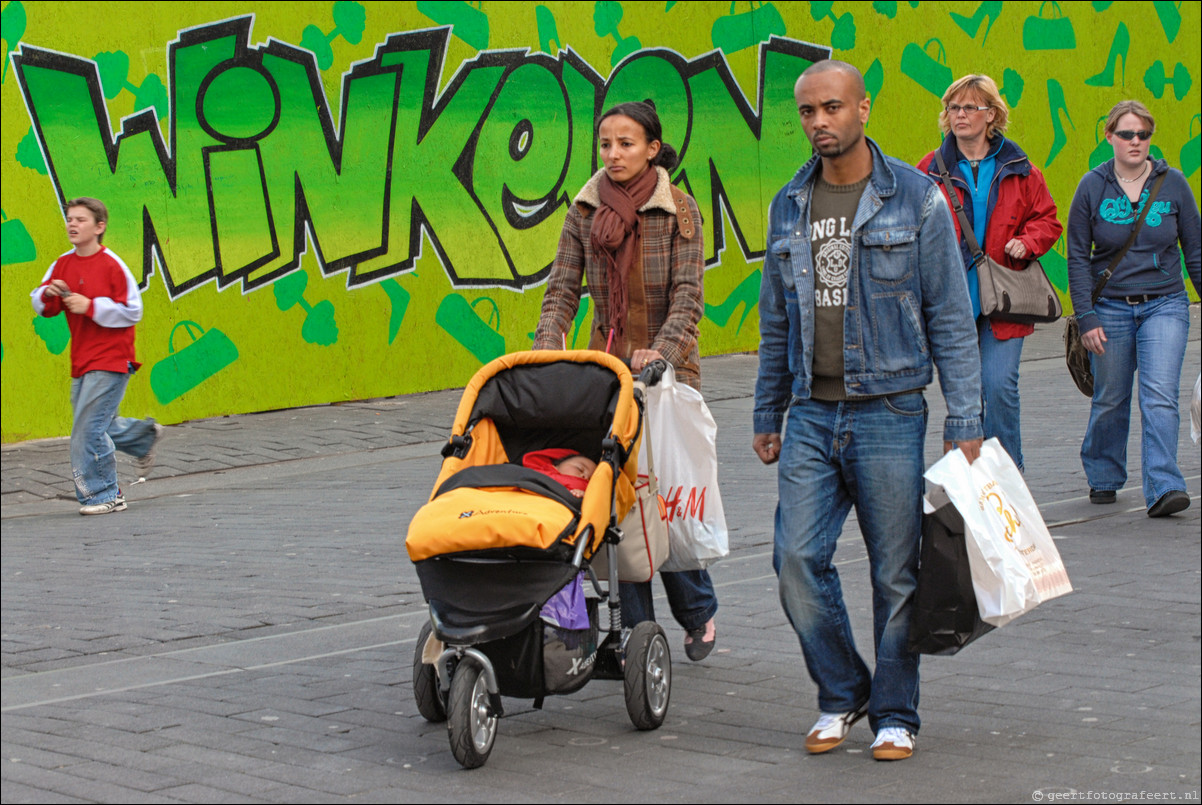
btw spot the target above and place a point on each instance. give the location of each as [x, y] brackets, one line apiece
[1142, 134]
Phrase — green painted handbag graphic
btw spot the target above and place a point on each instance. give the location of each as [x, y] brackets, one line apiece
[459, 318]
[932, 74]
[210, 351]
[1049, 33]
[745, 29]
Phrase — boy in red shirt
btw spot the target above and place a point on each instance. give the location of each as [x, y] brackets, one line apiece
[100, 298]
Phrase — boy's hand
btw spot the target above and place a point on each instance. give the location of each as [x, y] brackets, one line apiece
[57, 288]
[77, 303]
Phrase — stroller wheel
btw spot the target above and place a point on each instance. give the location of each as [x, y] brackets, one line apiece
[648, 675]
[430, 701]
[470, 722]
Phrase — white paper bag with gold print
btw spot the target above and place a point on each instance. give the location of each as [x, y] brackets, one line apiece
[1015, 564]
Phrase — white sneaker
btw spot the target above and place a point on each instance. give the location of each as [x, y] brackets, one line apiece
[115, 505]
[893, 743]
[831, 729]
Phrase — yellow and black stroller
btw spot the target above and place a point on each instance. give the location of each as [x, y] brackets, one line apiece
[496, 541]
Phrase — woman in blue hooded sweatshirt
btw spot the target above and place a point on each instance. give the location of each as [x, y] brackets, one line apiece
[1141, 320]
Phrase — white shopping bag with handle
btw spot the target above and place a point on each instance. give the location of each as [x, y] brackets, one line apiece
[686, 460]
[1015, 564]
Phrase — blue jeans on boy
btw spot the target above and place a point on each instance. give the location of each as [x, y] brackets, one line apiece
[835, 455]
[690, 595]
[97, 433]
[1148, 336]
[999, 389]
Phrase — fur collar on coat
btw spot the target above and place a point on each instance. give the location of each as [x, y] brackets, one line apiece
[661, 199]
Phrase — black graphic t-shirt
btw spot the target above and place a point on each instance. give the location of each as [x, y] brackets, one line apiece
[831, 214]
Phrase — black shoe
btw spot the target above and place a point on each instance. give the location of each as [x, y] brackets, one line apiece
[1102, 496]
[1169, 503]
[695, 646]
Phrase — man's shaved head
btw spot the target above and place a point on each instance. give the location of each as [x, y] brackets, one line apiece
[848, 70]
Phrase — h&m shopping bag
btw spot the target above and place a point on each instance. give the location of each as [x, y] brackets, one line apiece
[685, 437]
[1015, 564]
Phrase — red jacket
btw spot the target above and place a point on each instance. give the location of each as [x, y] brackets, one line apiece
[1021, 208]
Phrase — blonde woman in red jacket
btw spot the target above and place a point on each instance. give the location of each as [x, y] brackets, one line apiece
[1007, 203]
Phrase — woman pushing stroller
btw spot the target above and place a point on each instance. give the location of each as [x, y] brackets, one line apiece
[637, 241]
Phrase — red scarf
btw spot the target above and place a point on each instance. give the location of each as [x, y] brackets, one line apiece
[615, 236]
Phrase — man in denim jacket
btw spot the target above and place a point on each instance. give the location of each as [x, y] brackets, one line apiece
[891, 271]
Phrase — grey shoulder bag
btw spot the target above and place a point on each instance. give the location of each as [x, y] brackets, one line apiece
[1025, 296]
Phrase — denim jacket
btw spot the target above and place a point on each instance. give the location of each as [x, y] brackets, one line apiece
[907, 300]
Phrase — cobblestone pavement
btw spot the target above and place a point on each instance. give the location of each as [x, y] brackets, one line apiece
[245, 631]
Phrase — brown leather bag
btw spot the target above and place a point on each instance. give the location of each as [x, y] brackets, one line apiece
[1025, 295]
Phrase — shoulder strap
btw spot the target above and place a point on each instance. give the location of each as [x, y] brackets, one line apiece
[1139, 222]
[684, 217]
[966, 232]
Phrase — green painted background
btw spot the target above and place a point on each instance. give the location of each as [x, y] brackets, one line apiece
[332, 201]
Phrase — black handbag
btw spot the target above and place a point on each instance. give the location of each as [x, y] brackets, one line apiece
[945, 617]
[1025, 296]
[1076, 356]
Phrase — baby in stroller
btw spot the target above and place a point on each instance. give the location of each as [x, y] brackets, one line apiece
[570, 468]
[519, 509]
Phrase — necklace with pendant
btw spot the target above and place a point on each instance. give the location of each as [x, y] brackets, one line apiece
[1137, 178]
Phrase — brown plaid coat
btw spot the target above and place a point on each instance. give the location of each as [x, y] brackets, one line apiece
[666, 297]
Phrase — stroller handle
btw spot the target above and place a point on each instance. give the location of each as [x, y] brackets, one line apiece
[652, 372]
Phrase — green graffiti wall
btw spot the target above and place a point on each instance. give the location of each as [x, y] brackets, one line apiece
[340, 200]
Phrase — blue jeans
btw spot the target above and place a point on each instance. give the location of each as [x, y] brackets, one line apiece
[1150, 337]
[999, 389]
[835, 455]
[690, 595]
[97, 433]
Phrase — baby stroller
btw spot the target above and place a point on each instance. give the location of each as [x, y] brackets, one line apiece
[496, 541]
